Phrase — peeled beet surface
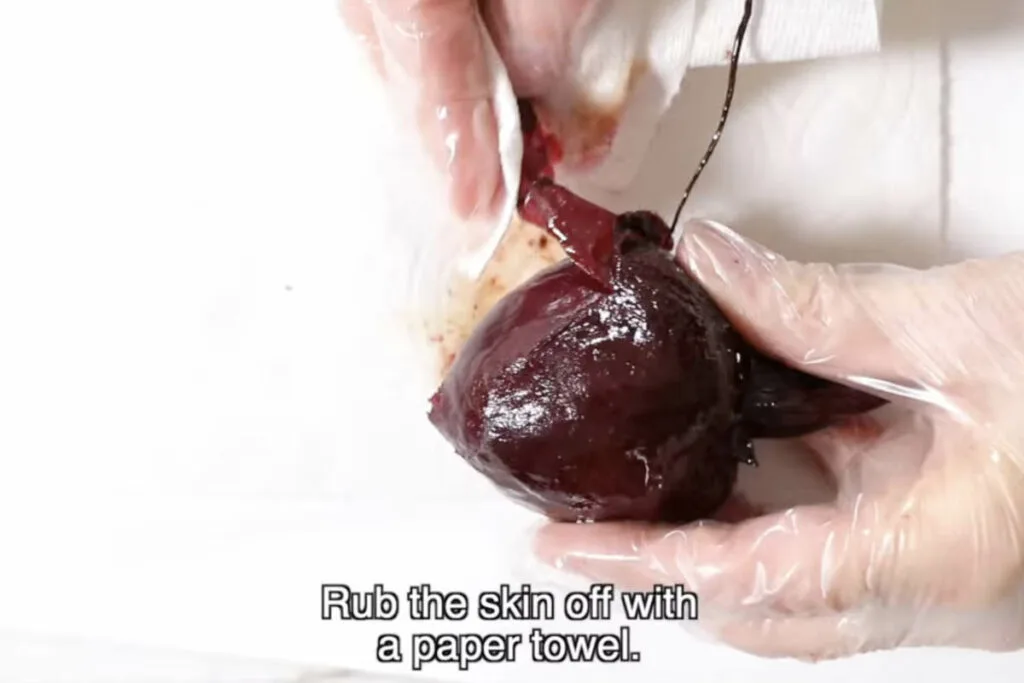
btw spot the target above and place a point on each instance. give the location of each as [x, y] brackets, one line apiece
[610, 386]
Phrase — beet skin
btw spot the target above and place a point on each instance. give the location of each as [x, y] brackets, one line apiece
[610, 386]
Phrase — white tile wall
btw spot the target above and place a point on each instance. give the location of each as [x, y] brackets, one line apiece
[987, 136]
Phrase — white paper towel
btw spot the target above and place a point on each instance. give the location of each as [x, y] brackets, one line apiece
[628, 60]
[624, 66]
[626, 63]
[788, 30]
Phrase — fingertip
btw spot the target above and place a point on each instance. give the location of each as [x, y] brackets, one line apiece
[559, 543]
[722, 260]
[738, 274]
[695, 226]
[805, 639]
[548, 544]
[356, 15]
[778, 305]
[611, 553]
[463, 142]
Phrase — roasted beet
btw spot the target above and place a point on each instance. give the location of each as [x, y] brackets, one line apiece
[610, 386]
[630, 401]
[593, 404]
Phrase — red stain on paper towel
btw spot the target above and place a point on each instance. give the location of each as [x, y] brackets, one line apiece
[585, 128]
[579, 136]
[524, 251]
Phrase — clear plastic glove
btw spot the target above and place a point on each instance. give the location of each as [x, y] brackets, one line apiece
[434, 53]
[924, 544]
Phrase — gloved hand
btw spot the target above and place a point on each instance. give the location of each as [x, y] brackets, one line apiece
[924, 544]
[434, 52]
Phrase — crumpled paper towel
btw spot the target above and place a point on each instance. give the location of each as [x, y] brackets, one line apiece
[788, 30]
[628, 60]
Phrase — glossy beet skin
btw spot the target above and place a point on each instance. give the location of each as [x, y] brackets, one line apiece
[610, 386]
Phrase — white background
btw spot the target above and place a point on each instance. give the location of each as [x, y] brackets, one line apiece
[200, 417]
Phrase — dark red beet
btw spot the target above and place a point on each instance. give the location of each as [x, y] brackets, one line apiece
[610, 386]
[589, 404]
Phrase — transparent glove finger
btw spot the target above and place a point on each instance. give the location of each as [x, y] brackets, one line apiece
[954, 539]
[999, 629]
[534, 39]
[605, 559]
[435, 54]
[837, 448]
[951, 538]
[437, 44]
[873, 455]
[810, 314]
[605, 553]
[462, 139]
[811, 639]
[359, 19]
[793, 562]
[899, 331]
[932, 529]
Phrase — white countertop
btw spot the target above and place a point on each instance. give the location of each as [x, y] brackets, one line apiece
[156, 210]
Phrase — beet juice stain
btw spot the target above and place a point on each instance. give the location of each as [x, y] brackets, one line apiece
[610, 385]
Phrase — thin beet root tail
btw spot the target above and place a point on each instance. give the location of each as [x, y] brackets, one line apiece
[781, 402]
[734, 65]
